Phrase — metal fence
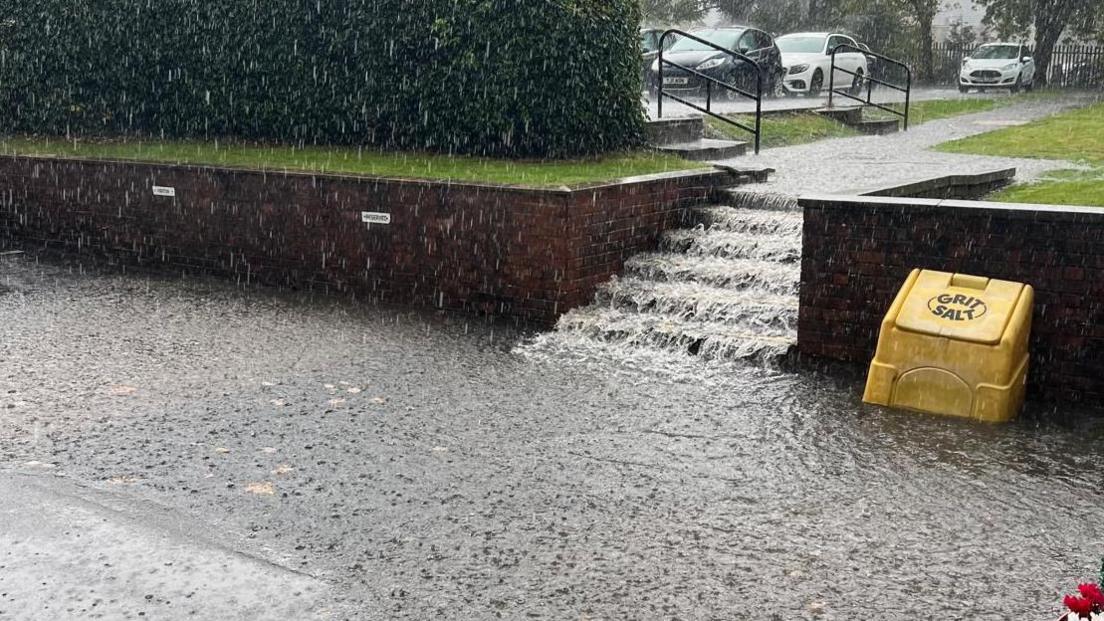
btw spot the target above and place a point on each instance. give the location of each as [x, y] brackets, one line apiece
[1072, 66]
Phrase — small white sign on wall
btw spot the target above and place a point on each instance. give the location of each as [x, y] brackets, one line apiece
[373, 217]
[160, 190]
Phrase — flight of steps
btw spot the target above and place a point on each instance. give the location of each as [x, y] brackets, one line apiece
[685, 137]
[725, 289]
[855, 117]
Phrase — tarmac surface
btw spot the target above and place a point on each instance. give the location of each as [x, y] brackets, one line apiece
[178, 447]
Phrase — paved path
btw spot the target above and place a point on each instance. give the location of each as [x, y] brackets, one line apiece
[73, 552]
[847, 164]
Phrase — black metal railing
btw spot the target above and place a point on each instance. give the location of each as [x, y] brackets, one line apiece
[709, 81]
[858, 78]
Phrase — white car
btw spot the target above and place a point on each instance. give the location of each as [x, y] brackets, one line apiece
[998, 65]
[807, 57]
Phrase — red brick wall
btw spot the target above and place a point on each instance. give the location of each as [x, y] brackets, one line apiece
[526, 253]
[858, 252]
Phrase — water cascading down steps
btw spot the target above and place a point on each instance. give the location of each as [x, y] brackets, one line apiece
[724, 289]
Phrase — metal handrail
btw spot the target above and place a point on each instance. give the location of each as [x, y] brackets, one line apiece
[709, 82]
[870, 82]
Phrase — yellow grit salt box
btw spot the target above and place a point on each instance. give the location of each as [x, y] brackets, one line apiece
[954, 344]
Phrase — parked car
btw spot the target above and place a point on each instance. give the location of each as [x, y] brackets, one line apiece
[873, 63]
[707, 60]
[998, 65]
[649, 43]
[807, 57]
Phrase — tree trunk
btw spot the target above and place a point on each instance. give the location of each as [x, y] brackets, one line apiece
[1051, 20]
[927, 53]
[1044, 52]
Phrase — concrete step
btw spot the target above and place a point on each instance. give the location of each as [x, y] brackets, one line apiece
[761, 274]
[778, 247]
[675, 130]
[755, 311]
[879, 127]
[709, 340]
[706, 149]
[848, 115]
[750, 221]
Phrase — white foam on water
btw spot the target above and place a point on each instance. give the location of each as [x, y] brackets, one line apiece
[723, 292]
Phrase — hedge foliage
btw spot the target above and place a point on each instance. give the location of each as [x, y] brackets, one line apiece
[496, 77]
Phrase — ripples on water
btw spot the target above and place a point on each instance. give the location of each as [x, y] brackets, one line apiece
[802, 489]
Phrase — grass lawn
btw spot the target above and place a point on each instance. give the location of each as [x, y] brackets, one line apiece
[1063, 187]
[783, 130]
[350, 160]
[933, 110]
[1076, 136]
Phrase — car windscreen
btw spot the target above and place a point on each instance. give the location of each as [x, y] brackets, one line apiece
[800, 45]
[647, 42]
[723, 38]
[997, 52]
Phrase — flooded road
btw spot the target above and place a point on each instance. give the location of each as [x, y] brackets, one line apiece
[424, 466]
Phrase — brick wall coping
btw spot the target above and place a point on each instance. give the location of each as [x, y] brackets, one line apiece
[989, 179]
[716, 176]
[1010, 210]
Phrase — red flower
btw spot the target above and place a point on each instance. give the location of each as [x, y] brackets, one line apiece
[1092, 593]
[1079, 605]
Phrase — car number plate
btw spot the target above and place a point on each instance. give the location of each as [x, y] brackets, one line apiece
[676, 81]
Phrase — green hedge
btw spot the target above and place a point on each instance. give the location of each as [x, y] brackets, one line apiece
[492, 77]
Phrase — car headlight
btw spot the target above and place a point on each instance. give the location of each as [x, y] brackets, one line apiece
[712, 63]
[798, 69]
[1009, 67]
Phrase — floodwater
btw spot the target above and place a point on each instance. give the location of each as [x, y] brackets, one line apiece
[425, 466]
[724, 288]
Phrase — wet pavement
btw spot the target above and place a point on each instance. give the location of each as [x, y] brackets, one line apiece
[846, 165]
[74, 552]
[345, 461]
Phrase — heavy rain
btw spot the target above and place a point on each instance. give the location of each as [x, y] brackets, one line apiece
[575, 309]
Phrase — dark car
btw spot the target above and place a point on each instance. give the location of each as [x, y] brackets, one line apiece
[707, 60]
[649, 44]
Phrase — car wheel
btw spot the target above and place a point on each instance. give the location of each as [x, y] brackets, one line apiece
[1030, 86]
[858, 83]
[816, 84]
[963, 88]
[729, 94]
[1016, 86]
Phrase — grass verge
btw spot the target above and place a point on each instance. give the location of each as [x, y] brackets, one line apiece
[1063, 187]
[935, 109]
[1076, 136]
[783, 130]
[925, 111]
[350, 160]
